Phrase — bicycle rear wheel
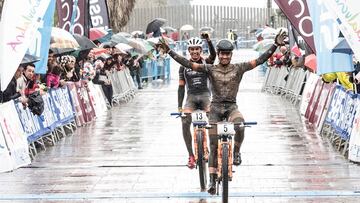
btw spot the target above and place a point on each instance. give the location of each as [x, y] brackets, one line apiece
[225, 173]
[201, 159]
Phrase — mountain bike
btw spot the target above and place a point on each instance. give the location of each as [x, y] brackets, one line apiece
[199, 121]
[225, 132]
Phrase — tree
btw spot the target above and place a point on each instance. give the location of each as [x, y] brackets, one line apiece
[119, 12]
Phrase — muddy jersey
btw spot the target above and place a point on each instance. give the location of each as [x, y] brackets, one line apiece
[196, 81]
[225, 80]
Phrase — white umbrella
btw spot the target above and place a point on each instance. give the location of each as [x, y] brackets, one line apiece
[187, 27]
[61, 38]
[123, 47]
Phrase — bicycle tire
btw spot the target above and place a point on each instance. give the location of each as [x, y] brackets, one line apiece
[225, 173]
[201, 160]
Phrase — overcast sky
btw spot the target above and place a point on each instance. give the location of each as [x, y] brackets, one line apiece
[243, 3]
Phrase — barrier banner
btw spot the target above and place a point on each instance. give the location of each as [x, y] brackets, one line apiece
[314, 99]
[97, 98]
[85, 103]
[79, 117]
[61, 105]
[311, 81]
[14, 136]
[47, 118]
[336, 105]
[319, 107]
[5, 158]
[321, 120]
[347, 116]
[354, 143]
[30, 125]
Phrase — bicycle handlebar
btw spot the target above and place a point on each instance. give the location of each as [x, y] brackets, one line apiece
[176, 114]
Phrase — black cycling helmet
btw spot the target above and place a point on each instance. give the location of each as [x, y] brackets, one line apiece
[224, 45]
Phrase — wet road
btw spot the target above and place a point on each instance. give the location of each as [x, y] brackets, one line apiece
[135, 153]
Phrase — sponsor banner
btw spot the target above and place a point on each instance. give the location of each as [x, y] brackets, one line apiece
[14, 137]
[99, 14]
[319, 108]
[97, 98]
[336, 106]
[354, 143]
[64, 11]
[5, 158]
[298, 14]
[321, 120]
[61, 105]
[18, 27]
[79, 117]
[29, 122]
[85, 102]
[347, 116]
[311, 81]
[47, 118]
[314, 99]
[40, 45]
[346, 14]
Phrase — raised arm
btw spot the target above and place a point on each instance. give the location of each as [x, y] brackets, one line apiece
[279, 41]
[211, 58]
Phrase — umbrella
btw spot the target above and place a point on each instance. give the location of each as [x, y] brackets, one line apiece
[123, 47]
[154, 26]
[256, 30]
[187, 27]
[140, 46]
[61, 51]
[61, 38]
[342, 47]
[99, 51]
[169, 29]
[84, 42]
[310, 62]
[137, 33]
[120, 38]
[263, 45]
[110, 44]
[268, 32]
[96, 33]
[29, 59]
[207, 29]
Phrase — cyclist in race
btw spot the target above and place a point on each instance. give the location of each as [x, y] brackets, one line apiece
[198, 92]
[225, 79]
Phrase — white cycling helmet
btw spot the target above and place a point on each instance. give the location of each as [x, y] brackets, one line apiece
[194, 42]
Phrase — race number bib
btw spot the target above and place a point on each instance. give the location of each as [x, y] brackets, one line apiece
[198, 116]
[225, 129]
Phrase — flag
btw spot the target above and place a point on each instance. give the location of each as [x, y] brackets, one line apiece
[99, 14]
[19, 25]
[41, 44]
[298, 14]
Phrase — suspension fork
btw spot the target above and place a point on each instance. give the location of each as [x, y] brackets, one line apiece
[227, 141]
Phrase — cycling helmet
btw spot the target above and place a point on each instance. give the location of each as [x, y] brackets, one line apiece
[194, 42]
[224, 45]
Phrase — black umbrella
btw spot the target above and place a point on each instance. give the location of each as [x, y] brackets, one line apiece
[61, 51]
[29, 59]
[84, 42]
[154, 26]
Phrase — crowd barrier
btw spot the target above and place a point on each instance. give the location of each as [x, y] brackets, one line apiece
[123, 86]
[151, 70]
[332, 111]
[65, 109]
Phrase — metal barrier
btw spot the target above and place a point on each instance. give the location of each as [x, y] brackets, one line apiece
[123, 86]
[152, 71]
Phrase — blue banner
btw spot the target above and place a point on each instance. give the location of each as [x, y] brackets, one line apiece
[41, 44]
[326, 34]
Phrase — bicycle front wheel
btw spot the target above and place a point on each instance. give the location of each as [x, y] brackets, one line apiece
[225, 173]
[201, 159]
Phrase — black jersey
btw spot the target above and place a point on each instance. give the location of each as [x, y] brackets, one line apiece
[196, 82]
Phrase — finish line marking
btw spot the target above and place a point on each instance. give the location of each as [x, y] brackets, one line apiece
[190, 195]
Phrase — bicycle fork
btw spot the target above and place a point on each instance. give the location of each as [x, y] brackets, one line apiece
[219, 158]
[205, 148]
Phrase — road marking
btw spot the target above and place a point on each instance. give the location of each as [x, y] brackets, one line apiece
[189, 195]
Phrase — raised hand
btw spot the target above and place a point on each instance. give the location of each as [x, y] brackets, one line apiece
[280, 37]
[205, 36]
[164, 44]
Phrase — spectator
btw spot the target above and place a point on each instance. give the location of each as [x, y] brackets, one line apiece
[135, 69]
[10, 92]
[53, 76]
[26, 83]
[102, 77]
